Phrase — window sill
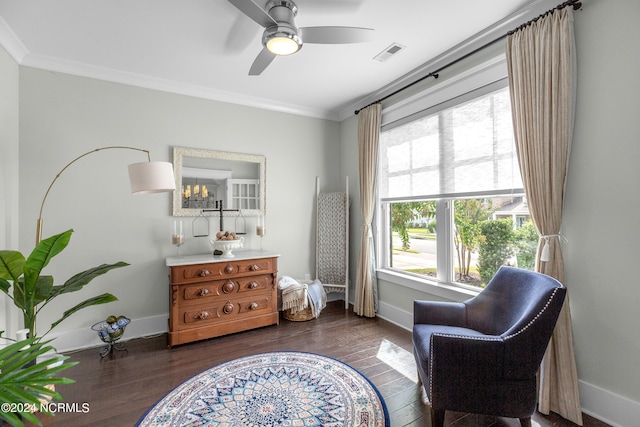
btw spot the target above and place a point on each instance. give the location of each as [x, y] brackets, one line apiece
[442, 290]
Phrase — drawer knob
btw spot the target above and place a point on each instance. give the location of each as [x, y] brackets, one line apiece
[203, 315]
[253, 305]
[229, 286]
[228, 268]
[204, 273]
[203, 292]
[228, 308]
[253, 285]
[254, 267]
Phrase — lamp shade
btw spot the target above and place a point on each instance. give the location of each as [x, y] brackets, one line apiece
[151, 177]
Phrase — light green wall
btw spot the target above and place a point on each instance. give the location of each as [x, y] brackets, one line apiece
[601, 255]
[9, 218]
[9, 121]
[349, 167]
[63, 116]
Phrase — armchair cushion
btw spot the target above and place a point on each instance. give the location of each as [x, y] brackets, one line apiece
[439, 313]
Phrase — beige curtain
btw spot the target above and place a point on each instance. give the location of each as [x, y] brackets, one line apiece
[541, 62]
[365, 303]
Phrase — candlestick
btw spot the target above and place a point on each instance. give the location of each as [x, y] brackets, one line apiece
[177, 238]
[261, 229]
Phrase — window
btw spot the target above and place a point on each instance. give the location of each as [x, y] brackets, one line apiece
[243, 193]
[450, 192]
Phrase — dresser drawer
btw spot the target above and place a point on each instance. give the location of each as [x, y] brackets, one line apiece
[205, 291]
[222, 311]
[219, 270]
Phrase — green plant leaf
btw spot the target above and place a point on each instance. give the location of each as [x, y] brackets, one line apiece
[18, 294]
[5, 286]
[100, 299]
[13, 419]
[78, 281]
[11, 264]
[20, 383]
[21, 353]
[41, 255]
[43, 289]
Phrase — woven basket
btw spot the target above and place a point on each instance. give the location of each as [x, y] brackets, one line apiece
[299, 316]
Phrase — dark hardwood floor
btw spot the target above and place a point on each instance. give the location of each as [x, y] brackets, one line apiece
[121, 387]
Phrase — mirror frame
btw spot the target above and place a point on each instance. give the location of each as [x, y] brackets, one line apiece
[180, 152]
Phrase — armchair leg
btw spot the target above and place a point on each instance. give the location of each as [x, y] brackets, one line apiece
[525, 422]
[437, 417]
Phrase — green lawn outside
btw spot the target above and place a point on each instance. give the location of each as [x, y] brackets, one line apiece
[421, 233]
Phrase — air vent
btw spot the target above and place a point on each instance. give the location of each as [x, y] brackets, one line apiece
[390, 51]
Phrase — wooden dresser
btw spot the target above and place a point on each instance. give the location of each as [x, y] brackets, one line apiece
[212, 296]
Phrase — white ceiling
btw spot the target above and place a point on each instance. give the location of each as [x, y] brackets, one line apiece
[205, 47]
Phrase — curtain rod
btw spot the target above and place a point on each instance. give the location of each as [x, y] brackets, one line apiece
[576, 4]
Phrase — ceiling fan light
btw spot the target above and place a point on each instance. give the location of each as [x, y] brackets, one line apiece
[280, 45]
[282, 41]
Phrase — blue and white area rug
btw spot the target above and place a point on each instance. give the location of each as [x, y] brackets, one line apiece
[273, 389]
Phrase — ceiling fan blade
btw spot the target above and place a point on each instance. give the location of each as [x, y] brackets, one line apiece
[336, 35]
[253, 11]
[261, 62]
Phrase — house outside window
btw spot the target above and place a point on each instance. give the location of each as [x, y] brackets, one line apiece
[451, 199]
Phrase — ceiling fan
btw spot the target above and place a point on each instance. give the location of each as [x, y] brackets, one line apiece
[282, 37]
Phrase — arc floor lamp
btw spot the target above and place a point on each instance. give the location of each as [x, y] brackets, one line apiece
[145, 178]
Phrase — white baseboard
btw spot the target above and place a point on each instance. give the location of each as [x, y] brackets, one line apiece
[609, 407]
[393, 314]
[79, 339]
[597, 402]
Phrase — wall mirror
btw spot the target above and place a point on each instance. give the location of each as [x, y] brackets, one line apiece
[208, 180]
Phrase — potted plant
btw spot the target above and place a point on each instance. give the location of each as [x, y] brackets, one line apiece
[32, 291]
[25, 383]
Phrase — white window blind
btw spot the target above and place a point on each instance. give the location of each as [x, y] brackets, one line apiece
[456, 149]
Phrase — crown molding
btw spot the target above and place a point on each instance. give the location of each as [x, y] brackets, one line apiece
[11, 43]
[165, 85]
[18, 51]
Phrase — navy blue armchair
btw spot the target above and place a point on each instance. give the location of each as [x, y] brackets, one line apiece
[482, 355]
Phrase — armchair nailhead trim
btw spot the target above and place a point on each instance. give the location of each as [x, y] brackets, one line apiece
[469, 337]
[536, 316]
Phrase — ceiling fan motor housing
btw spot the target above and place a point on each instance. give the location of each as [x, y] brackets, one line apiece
[284, 13]
[287, 8]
